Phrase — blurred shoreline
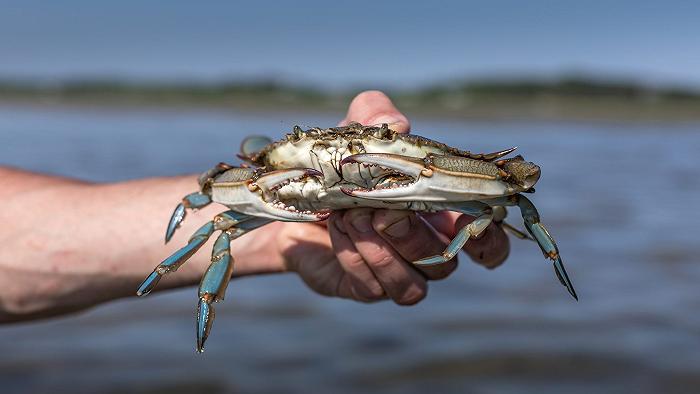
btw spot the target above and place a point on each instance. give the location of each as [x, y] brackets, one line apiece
[562, 99]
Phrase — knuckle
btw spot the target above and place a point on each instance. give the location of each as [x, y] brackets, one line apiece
[382, 261]
[354, 262]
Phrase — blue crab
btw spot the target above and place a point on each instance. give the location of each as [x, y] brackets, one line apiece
[309, 173]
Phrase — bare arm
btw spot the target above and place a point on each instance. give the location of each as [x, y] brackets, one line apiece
[67, 245]
[70, 244]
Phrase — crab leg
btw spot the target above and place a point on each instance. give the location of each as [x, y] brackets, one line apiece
[515, 231]
[212, 288]
[172, 263]
[540, 234]
[193, 201]
[484, 217]
[499, 215]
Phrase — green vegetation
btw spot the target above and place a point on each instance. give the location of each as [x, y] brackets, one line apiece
[532, 99]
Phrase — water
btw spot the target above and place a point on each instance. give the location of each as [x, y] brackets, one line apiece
[618, 198]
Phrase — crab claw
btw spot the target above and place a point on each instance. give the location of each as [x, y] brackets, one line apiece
[205, 319]
[437, 178]
[274, 180]
[193, 201]
[175, 220]
[258, 196]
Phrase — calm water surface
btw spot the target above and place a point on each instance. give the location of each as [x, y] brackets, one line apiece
[621, 201]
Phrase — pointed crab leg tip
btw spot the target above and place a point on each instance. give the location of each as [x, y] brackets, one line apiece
[564, 279]
[570, 289]
[169, 235]
[148, 284]
[175, 219]
[430, 261]
[205, 319]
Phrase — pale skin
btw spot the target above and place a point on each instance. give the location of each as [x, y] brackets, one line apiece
[68, 245]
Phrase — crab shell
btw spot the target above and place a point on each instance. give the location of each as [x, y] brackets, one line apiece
[309, 173]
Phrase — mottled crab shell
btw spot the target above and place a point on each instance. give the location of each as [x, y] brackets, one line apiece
[359, 133]
[293, 151]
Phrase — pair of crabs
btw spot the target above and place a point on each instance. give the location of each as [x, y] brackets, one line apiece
[310, 173]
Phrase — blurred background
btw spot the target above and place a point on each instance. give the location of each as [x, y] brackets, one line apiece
[605, 97]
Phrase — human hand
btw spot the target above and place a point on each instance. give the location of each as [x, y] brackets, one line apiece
[365, 254]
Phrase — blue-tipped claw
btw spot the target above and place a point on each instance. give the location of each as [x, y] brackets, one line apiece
[177, 217]
[192, 200]
[149, 283]
[550, 251]
[205, 318]
[429, 261]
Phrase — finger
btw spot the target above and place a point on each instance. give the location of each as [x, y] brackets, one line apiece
[306, 250]
[413, 238]
[374, 107]
[490, 249]
[402, 283]
[442, 221]
[358, 277]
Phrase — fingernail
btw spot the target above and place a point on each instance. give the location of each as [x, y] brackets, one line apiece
[362, 223]
[399, 228]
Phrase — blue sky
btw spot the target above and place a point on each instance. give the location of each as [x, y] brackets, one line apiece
[360, 42]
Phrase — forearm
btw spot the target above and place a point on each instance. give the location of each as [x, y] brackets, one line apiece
[68, 245]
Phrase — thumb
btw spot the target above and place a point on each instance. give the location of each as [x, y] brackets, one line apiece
[374, 107]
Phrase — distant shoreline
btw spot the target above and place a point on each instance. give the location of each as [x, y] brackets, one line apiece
[578, 100]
